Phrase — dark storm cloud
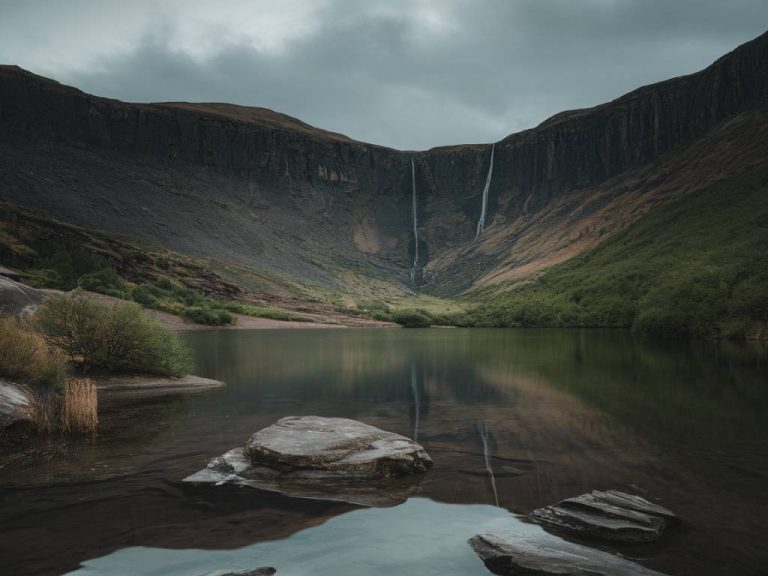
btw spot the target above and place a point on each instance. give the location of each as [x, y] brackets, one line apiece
[409, 74]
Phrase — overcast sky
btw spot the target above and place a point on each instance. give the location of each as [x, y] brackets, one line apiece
[404, 73]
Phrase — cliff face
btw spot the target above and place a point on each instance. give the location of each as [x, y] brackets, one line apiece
[266, 190]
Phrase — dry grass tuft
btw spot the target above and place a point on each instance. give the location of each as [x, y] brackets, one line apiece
[79, 406]
[27, 357]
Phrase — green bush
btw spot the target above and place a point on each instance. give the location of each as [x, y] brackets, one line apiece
[104, 281]
[413, 318]
[145, 295]
[207, 315]
[115, 337]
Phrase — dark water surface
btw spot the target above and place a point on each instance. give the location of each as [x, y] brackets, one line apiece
[558, 412]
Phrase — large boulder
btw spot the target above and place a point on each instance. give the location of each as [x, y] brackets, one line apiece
[535, 556]
[609, 515]
[16, 299]
[323, 458]
[15, 403]
[313, 447]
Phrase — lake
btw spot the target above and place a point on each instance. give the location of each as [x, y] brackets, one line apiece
[513, 419]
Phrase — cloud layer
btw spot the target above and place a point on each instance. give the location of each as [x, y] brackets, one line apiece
[403, 73]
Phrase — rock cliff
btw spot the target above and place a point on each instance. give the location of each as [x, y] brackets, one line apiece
[264, 190]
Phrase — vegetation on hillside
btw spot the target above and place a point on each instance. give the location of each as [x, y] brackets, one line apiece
[697, 266]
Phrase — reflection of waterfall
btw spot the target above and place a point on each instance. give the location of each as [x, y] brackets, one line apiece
[417, 407]
[484, 209]
[482, 428]
[415, 222]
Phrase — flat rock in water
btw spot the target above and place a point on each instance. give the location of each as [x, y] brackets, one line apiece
[323, 458]
[15, 403]
[610, 515]
[312, 447]
[515, 554]
[247, 572]
[117, 389]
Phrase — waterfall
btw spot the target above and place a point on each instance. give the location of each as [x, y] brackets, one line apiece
[484, 209]
[415, 390]
[415, 222]
[482, 428]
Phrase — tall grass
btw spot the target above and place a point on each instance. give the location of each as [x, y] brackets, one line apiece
[79, 406]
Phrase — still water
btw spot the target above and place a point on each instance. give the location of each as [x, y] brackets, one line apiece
[514, 420]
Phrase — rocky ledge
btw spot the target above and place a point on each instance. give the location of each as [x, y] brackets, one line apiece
[15, 403]
[515, 554]
[119, 389]
[609, 515]
[323, 458]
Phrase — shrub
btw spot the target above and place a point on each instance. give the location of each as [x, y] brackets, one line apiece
[27, 357]
[415, 318]
[145, 295]
[104, 281]
[372, 306]
[115, 337]
[207, 315]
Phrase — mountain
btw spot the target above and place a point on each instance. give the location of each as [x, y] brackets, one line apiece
[269, 193]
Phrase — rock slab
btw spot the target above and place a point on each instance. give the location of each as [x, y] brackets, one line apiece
[265, 571]
[609, 515]
[323, 458]
[312, 446]
[513, 555]
[15, 403]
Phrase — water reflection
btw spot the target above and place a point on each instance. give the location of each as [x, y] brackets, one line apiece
[516, 418]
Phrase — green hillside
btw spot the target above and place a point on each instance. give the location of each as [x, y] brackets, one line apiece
[694, 266]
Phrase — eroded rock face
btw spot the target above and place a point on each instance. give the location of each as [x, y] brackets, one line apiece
[515, 554]
[16, 299]
[610, 515]
[15, 403]
[323, 458]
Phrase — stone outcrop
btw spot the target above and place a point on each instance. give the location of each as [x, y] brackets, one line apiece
[514, 554]
[323, 458]
[15, 403]
[16, 299]
[609, 515]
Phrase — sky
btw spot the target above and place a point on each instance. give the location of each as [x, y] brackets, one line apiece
[410, 74]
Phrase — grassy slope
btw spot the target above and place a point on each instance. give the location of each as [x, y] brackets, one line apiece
[695, 266]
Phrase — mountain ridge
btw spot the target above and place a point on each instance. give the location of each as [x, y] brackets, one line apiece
[274, 193]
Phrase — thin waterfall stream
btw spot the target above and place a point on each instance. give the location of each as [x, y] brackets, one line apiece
[484, 207]
[415, 222]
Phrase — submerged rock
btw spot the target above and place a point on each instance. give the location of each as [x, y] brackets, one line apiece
[247, 572]
[15, 403]
[323, 458]
[533, 556]
[610, 515]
